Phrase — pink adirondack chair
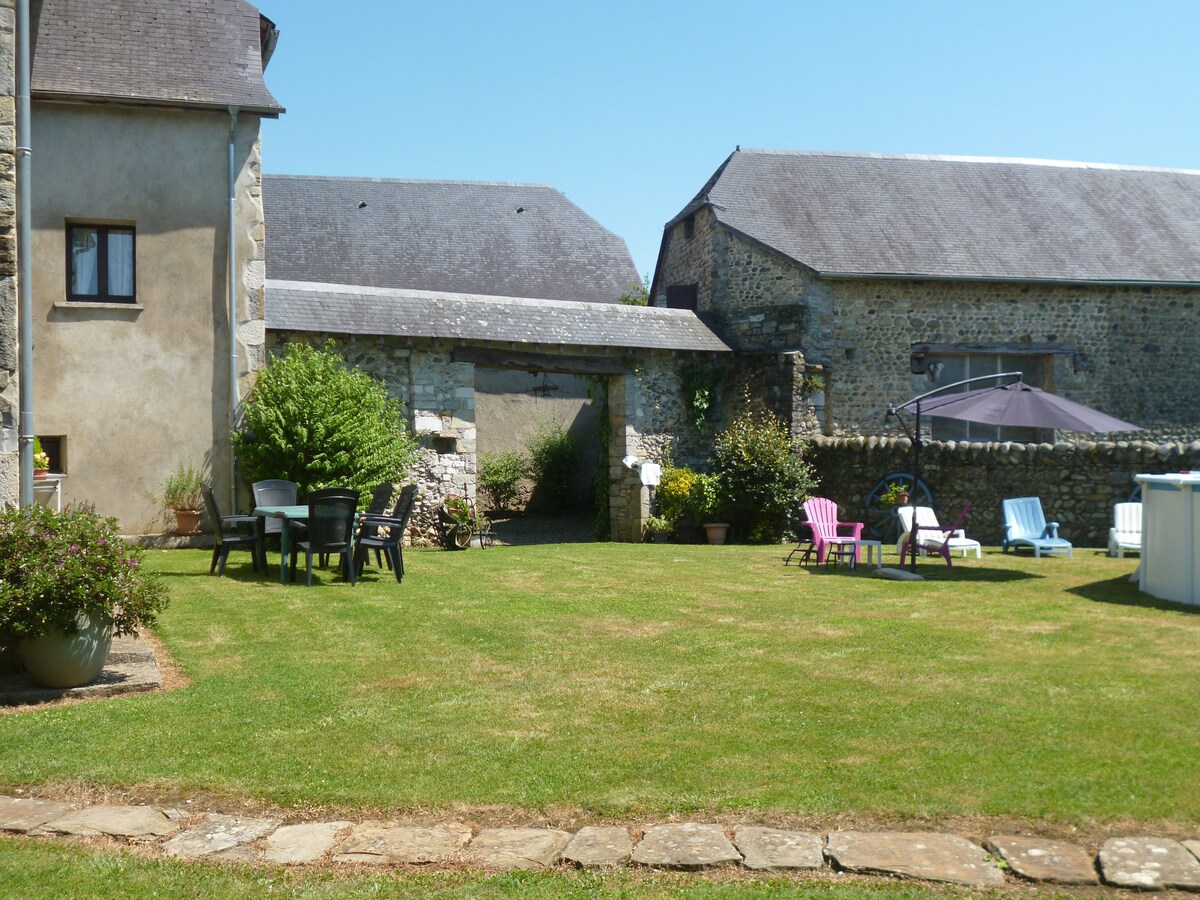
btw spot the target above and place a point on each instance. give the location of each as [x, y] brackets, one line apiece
[912, 544]
[823, 521]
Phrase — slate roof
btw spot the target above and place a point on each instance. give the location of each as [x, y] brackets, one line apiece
[488, 238]
[176, 52]
[350, 309]
[965, 218]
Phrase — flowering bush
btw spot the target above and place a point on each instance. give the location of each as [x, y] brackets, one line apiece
[459, 510]
[674, 493]
[54, 566]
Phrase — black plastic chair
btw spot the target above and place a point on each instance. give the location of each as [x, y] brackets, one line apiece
[228, 537]
[329, 529]
[390, 545]
[274, 492]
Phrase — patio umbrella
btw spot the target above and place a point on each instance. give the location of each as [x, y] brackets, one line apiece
[1020, 404]
[1014, 404]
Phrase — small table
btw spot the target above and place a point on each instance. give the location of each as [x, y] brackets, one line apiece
[874, 552]
[287, 514]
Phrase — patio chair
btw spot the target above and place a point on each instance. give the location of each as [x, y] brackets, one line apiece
[329, 529]
[228, 537]
[1025, 525]
[389, 546]
[274, 492]
[1126, 533]
[822, 522]
[929, 534]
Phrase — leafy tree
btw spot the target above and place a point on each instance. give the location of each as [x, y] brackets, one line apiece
[637, 294]
[312, 420]
[764, 476]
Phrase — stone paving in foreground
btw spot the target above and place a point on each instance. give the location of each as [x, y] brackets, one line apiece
[1136, 862]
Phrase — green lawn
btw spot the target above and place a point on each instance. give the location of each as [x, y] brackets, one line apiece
[37, 870]
[634, 682]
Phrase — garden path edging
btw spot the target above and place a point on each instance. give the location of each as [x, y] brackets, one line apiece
[925, 856]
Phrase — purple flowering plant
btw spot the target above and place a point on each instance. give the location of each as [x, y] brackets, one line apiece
[54, 566]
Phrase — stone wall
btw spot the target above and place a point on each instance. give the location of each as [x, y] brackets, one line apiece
[9, 389]
[439, 400]
[688, 260]
[1126, 350]
[1077, 483]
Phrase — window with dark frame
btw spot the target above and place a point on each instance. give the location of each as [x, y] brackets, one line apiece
[952, 367]
[100, 263]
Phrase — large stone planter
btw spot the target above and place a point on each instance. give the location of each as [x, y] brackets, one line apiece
[58, 660]
[717, 532]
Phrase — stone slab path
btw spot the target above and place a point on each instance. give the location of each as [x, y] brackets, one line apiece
[1135, 862]
[131, 669]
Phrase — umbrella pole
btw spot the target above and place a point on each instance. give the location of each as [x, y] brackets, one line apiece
[912, 537]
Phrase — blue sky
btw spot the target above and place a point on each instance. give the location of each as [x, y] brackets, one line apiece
[628, 107]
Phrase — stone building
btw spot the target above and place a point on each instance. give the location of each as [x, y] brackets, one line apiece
[881, 277]
[454, 293]
[142, 126]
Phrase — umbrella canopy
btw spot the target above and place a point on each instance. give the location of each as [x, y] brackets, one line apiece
[1018, 404]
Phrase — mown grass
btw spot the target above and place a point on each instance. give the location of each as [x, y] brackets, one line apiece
[591, 682]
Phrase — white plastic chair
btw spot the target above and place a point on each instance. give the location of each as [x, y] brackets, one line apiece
[1126, 533]
[932, 540]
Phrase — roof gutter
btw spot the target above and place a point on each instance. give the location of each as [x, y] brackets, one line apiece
[997, 279]
[24, 148]
[43, 96]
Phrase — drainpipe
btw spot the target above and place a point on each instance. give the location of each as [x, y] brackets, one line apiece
[24, 259]
[234, 393]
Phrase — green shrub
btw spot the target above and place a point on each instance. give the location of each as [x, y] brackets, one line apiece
[553, 463]
[707, 500]
[54, 566]
[500, 477]
[313, 421]
[764, 476]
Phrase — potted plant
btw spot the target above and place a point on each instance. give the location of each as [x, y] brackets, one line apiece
[67, 584]
[657, 529]
[41, 459]
[456, 522]
[182, 493]
[895, 495]
[707, 502]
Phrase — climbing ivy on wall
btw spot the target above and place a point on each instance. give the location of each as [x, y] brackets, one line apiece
[700, 384]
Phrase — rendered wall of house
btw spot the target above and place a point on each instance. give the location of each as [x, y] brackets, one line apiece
[138, 390]
[1133, 356]
[9, 393]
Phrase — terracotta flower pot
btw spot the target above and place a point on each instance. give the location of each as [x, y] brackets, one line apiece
[41, 473]
[187, 521]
